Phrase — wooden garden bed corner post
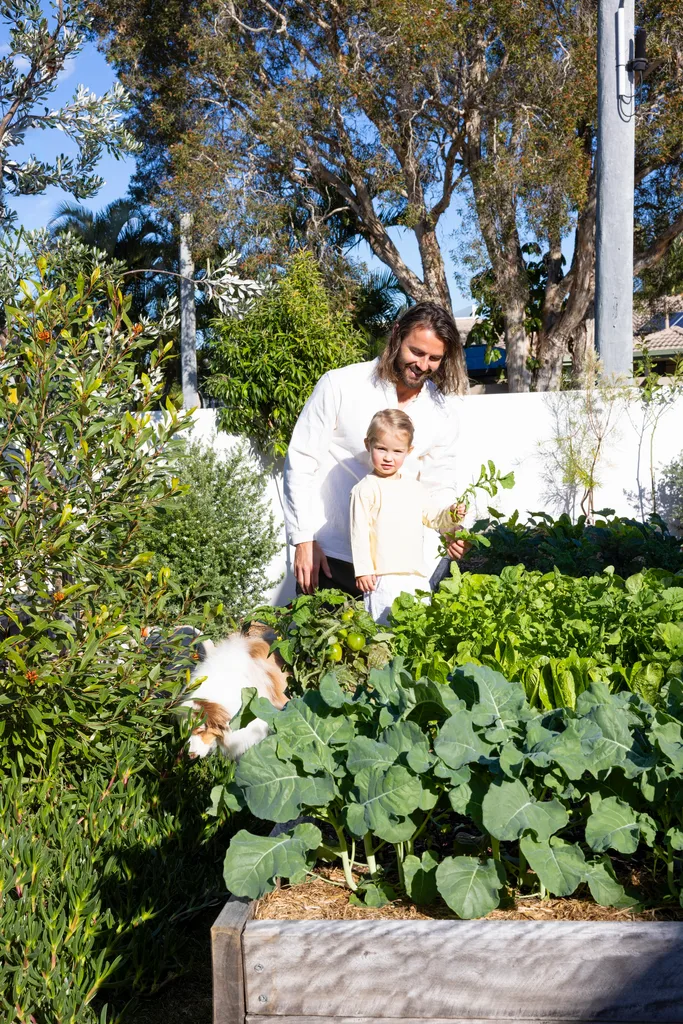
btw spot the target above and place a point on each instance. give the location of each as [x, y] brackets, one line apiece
[228, 969]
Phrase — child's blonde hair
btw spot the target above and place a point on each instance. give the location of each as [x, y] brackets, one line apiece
[390, 419]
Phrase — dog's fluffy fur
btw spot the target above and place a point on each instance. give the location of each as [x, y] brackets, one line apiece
[229, 667]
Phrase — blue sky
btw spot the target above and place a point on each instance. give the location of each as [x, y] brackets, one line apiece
[91, 69]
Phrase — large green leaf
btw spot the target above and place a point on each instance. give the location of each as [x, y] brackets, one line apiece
[458, 744]
[365, 752]
[420, 877]
[306, 737]
[499, 702]
[613, 824]
[253, 863]
[273, 789]
[603, 885]
[411, 745]
[433, 701]
[667, 736]
[560, 866]
[467, 799]
[469, 886]
[381, 797]
[509, 810]
[391, 683]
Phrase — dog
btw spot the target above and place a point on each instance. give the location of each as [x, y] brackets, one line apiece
[229, 666]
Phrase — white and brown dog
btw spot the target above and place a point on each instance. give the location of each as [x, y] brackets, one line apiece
[230, 666]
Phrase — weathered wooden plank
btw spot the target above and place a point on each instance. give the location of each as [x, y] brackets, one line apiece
[257, 1018]
[515, 970]
[226, 956]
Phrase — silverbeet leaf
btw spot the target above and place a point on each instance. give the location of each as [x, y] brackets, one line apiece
[469, 886]
[253, 863]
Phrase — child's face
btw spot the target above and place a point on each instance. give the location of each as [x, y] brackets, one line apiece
[388, 452]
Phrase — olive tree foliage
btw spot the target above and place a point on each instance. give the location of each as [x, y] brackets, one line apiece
[387, 115]
[39, 47]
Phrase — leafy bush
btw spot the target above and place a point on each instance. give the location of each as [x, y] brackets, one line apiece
[555, 634]
[405, 767]
[219, 535]
[265, 365]
[323, 630]
[670, 493]
[580, 548]
[105, 849]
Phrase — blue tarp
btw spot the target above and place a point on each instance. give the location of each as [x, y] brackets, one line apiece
[474, 358]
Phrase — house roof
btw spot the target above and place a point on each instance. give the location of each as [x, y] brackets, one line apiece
[666, 342]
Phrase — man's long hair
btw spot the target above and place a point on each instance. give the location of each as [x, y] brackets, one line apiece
[434, 318]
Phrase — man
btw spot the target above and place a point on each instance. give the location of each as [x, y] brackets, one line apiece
[327, 456]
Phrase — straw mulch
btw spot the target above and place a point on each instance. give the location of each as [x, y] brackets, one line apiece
[318, 900]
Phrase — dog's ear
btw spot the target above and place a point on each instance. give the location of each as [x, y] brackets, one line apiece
[259, 649]
[217, 717]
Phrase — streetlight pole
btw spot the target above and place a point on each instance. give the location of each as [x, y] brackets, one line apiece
[614, 214]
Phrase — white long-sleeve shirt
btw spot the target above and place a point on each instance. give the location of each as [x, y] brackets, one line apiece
[387, 519]
[327, 453]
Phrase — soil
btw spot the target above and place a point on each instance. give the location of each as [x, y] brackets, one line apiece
[318, 899]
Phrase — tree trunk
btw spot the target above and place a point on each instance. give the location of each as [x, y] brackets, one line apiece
[582, 343]
[516, 346]
[188, 322]
[437, 290]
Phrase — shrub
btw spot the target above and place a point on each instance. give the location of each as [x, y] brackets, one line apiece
[403, 768]
[106, 849]
[218, 535]
[578, 548]
[265, 365]
[670, 493]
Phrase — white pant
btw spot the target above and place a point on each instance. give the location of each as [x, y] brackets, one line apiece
[378, 603]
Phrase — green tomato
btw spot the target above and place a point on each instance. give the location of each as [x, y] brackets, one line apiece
[347, 616]
[342, 632]
[334, 652]
[355, 641]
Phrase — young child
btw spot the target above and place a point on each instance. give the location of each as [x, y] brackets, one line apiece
[388, 512]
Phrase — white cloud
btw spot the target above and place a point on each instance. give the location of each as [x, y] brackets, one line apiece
[67, 71]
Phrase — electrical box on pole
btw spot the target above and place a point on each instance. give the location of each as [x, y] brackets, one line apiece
[615, 184]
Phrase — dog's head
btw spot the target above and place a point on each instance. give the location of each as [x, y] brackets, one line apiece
[205, 738]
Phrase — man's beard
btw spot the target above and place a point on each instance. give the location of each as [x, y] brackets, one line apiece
[408, 379]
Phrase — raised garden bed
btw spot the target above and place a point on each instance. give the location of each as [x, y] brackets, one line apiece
[360, 972]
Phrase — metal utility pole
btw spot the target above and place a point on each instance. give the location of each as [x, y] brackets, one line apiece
[614, 215]
[188, 320]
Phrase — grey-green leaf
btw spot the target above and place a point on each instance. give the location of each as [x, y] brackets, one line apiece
[420, 877]
[509, 809]
[603, 885]
[469, 886]
[613, 825]
[457, 743]
[273, 789]
[253, 863]
[560, 866]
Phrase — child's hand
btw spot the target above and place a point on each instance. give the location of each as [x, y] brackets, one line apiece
[460, 512]
[366, 583]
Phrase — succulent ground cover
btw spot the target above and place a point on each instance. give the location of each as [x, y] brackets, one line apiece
[392, 773]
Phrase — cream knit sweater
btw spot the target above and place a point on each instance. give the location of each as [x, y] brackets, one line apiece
[387, 519]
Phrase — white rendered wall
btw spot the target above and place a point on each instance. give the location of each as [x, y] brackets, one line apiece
[519, 433]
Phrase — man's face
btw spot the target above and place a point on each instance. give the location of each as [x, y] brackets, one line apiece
[419, 357]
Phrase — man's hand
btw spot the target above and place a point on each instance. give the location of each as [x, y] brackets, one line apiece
[366, 583]
[308, 561]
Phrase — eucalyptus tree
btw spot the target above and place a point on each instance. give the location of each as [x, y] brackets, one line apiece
[389, 115]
